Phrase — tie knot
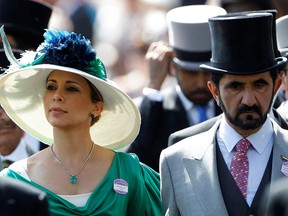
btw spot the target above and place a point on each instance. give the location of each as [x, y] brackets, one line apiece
[202, 112]
[243, 145]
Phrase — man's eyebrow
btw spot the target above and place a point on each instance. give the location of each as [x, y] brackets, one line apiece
[233, 83]
[261, 81]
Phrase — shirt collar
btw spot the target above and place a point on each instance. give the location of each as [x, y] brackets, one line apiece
[18, 154]
[259, 140]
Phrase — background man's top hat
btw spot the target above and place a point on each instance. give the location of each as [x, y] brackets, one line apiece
[282, 34]
[25, 18]
[242, 44]
[189, 34]
[4, 62]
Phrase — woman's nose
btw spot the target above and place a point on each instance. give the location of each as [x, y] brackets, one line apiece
[57, 96]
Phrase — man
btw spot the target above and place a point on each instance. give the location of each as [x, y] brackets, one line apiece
[13, 141]
[192, 130]
[179, 106]
[199, 175]
[18, 198]
[24, 23]
[282, 39]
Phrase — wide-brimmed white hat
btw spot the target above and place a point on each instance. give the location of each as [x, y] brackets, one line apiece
[282, 34]
[189, 34]
[21, 95]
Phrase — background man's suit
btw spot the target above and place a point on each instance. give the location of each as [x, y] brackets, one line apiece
[159, 120]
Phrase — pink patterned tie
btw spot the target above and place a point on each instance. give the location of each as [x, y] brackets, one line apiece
[239, 165]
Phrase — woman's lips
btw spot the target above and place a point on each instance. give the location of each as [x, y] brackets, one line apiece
[57, 110]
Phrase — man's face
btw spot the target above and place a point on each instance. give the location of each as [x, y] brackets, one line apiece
[194, 85]
[245, 100]
[10, 134]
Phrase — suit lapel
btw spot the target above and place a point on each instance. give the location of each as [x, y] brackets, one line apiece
[202, 170]
[280, 148]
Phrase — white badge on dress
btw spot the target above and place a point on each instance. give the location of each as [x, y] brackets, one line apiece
[120, 186]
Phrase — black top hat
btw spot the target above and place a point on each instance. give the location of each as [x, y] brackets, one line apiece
[4, 63]
[242, 44]
[274, 38]
[26, 18]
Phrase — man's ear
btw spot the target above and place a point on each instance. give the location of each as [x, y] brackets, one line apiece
[214, 91]
[277, 85]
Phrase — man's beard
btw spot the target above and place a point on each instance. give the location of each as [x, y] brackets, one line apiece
[250, 123]
[197, 100]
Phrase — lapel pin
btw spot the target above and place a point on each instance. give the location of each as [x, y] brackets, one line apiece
[284, 168]
[120, 186]
[283, 158]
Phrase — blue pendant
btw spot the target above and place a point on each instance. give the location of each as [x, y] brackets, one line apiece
[73, 179]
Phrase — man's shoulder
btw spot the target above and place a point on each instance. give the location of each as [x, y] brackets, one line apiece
[191, 144]
[192, 130]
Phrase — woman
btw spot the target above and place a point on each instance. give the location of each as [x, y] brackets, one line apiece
[60, 95]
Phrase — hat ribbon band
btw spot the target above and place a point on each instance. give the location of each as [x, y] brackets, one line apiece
[192, 56]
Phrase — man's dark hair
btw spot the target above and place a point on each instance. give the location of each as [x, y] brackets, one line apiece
[216, 77]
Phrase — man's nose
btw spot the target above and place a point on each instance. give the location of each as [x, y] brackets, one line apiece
[248, 98]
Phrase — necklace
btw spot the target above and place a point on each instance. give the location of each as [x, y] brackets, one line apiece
[73, 178]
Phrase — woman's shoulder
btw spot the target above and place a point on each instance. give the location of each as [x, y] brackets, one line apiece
[132, 162]
[128, 158]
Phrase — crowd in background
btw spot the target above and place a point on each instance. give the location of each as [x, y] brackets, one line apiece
[121, 31]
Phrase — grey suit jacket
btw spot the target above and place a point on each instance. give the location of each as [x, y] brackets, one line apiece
[189, 178]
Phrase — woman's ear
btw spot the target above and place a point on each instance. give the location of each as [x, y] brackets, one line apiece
[98, 108]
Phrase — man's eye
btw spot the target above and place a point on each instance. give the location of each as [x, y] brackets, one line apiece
[235, 86]
[259, 85]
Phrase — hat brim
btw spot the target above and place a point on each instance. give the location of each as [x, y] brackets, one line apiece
[188, 65]
[22, 91]
[284, 52]
[280, 62]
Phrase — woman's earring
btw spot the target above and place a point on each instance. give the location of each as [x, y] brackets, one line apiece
[92, 116]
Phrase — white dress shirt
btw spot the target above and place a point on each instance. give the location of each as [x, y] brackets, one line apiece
[18, 154]
[192, 113]
[258, 154]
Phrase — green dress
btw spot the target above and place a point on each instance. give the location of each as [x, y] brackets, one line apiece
[129, 188]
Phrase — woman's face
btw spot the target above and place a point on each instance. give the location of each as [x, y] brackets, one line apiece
[67, 100]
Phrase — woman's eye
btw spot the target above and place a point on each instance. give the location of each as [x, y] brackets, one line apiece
[72, 89]
[50, 87]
